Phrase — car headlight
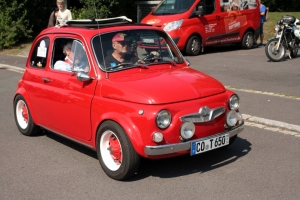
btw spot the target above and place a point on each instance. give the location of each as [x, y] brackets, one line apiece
[232, 118]
[163, 119]
[187, 130]
[234, 102]
[173, 25]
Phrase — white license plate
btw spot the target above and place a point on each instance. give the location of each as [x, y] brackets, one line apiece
[148, 40]
[209, 144]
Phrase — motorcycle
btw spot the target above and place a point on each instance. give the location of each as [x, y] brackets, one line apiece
[285, 39]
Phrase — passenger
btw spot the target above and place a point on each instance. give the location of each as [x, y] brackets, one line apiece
[80, 62]
[64, 14]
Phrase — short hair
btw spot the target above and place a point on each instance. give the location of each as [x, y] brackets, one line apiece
[67, 46]
[60, 1]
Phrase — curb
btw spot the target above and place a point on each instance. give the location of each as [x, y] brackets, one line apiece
[273, 125]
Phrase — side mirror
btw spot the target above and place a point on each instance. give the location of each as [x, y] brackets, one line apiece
[81, 76]
[200, 11]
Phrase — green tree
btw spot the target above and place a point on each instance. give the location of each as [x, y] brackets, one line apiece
[14, 23]
[93, 9]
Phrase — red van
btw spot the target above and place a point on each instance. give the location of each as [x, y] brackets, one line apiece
[195, 24]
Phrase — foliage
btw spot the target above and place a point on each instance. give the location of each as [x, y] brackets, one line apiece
[280, 6]
[14, 23]
[93, 9]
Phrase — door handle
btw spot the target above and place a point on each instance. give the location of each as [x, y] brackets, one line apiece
[217, 17]
[46, 80]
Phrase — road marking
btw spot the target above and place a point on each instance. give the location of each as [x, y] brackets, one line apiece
[266, 93]
[272, 125]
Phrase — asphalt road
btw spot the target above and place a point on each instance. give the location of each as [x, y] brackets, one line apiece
[262, 164]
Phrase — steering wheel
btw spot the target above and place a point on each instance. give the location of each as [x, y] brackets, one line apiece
[149, 57]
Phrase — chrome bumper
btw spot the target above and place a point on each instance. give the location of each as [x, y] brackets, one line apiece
[174, 148]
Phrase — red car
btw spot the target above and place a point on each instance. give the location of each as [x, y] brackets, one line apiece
[92, 81]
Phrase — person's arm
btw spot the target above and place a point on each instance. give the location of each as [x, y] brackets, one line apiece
[267, 11]
[263, 10]
[51, 20]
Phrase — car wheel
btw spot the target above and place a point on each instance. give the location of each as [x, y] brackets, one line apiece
[193, 46]
[248, 40]
[23, 117]
[115, 152]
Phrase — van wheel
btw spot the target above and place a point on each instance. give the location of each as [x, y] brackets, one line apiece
[193, 46]
[23, 117]
[248, 40]
[115, 152]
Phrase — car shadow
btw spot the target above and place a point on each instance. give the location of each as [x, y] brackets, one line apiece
[74, 145]
[186, 165]
[176, 166]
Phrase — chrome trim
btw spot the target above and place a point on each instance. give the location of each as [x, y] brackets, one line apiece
[205, 114]
[174, 148]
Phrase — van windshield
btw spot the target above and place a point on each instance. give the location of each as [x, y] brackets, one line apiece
[171, 7]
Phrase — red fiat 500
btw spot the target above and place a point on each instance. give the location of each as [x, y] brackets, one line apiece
[125, 91]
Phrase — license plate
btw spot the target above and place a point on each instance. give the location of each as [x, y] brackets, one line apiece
[145, 40]
[209, 144]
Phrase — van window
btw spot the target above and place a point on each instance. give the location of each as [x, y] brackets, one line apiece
[209, 6]
[169, 7]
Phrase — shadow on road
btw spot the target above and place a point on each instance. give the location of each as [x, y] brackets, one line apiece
[177, 166]
[186, 165]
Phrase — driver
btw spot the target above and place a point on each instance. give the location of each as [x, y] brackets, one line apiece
[122, 52]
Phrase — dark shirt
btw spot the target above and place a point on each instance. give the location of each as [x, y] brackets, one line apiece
[110, 61]
[52, 19]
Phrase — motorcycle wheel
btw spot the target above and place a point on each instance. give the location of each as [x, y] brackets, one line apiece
[271, 52]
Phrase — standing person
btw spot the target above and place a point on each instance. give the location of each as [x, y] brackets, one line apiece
[52, 18]
[263, 11]
[64, 14]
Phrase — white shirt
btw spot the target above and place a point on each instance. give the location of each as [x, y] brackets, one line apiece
[63, 16]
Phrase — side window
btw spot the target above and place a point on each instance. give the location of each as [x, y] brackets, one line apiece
[234, 5]
[210, 6]
[39, 54]
[69, 55]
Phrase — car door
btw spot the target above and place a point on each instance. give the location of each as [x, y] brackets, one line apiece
[68, 100]
[37, 64]
[210, 21]
[232, 20]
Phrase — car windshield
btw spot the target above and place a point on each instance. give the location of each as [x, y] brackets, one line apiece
[169, 7]
[121, 50]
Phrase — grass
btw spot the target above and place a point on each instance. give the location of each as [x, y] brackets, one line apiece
[272, 21]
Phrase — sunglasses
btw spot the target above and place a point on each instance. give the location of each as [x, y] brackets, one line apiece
[123, 43]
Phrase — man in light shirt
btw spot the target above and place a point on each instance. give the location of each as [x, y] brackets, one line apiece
[64, 14]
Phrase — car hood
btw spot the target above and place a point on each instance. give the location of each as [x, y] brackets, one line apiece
[161, 86]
